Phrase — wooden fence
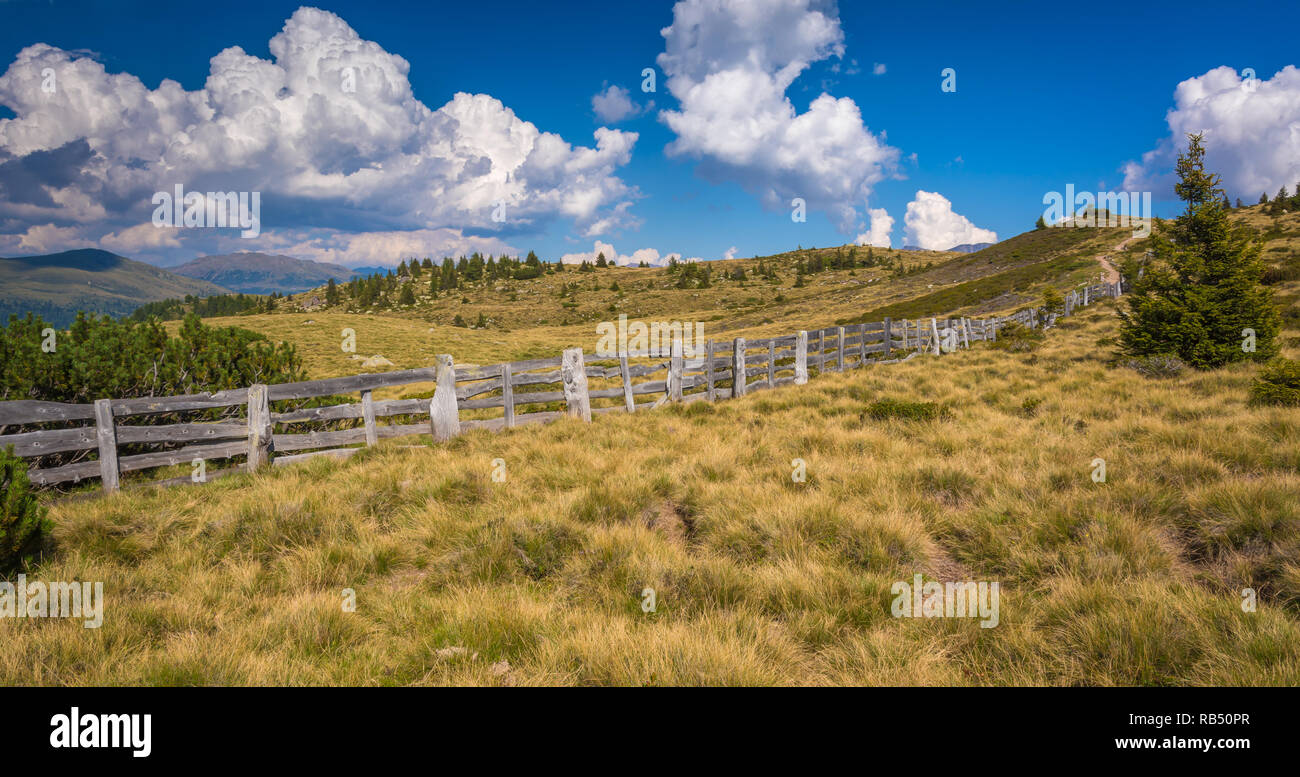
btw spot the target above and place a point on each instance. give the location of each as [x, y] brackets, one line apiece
[577, 383]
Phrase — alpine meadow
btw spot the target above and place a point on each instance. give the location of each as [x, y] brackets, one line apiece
[749, 352]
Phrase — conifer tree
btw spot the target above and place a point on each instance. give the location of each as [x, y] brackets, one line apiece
[1202, 290]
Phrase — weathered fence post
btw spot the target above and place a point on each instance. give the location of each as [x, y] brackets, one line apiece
[839, 349]
[934, 332]
[368, 417]
[771, 363]
[259, 427]
[738, 367]
[675, 371]
[444, 413]
[106, 436]
[965, 332]
[1085, 296]
[507, 396]
[862, 344]
[573, 374]
[708, 367]
[821, 351]
[801, 358]
[889, 336]
[628, 400]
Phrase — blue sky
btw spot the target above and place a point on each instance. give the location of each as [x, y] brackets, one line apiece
[1046, 95]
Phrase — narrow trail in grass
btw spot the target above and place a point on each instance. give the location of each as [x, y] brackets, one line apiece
[1112, 274]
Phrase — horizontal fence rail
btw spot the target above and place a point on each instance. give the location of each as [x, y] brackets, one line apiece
[493, 397]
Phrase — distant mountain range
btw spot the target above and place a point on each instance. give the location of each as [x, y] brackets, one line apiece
[56, 286]
[257, 273]
[970, 248]
[964, 248]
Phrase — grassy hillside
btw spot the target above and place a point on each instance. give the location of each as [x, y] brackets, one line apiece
[56, 286]
[758, 579]
[530, 319]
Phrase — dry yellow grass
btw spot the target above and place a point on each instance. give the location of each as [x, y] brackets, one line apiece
[529, 320]
[758, 579]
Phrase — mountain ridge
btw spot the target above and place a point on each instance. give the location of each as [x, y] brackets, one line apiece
[55, 286]
[254, 272]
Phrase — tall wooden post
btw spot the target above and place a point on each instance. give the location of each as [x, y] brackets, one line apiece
[507, 396]
[629, 401]
[738, 367]
[934, 331]
[839, 349]
[444, 413]
[368, 417]
[889, 336]
[573, 373]
[106, 436]
[259, 427]
[708, 368]
[675, 371]
[801, 358]
[771, 363]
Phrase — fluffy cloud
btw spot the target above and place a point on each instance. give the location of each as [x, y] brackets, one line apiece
[328, 131]
[390, 247]
[882, 225]
[932, 224]
[878, 69]
[1252, 133]
[729, 65]
[730, 254]
[614, 105]
[141, 237]
[44, 239]
[648, 255]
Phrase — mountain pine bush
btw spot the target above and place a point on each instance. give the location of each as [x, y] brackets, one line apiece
[1278, 383]
[99, 358]
[23, 524]
[1203, 289]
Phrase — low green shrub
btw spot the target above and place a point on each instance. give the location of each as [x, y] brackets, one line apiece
[1017, 338]
[23, 525]
[1278, 383]
[885, 409]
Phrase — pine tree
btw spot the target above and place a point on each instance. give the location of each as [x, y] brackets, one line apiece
[1040, 224]
[1280, 202]
[1203, 288]
[331, 293]
[23, 525]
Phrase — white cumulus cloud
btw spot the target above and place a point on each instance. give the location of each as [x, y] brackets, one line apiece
[881, 227]
[328, 130]
[931, 224]
[650, 256]
[729, 65]
[1252, 134]
[614, 104]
